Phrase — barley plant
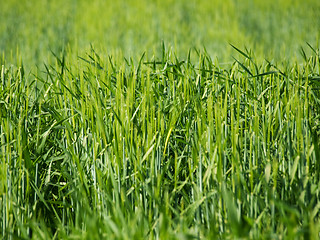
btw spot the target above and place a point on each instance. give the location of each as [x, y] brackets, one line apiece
[161, 147]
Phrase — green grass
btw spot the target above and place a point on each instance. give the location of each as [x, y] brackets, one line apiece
[29, 29]
[164, 148]
[105, 133]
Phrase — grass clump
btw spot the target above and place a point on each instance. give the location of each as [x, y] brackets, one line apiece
[106, 147]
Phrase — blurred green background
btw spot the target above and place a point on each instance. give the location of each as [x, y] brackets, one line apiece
[31, 29]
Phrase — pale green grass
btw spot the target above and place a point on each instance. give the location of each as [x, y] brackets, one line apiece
[274, 30]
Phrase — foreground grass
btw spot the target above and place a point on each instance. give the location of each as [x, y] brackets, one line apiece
[161, 148]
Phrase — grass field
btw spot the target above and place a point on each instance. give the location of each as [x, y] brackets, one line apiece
[159, 120]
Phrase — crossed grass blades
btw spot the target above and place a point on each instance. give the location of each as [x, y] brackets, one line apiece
[161, 148]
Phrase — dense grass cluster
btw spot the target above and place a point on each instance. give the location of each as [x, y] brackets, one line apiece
[161, 148]
[173, 146]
